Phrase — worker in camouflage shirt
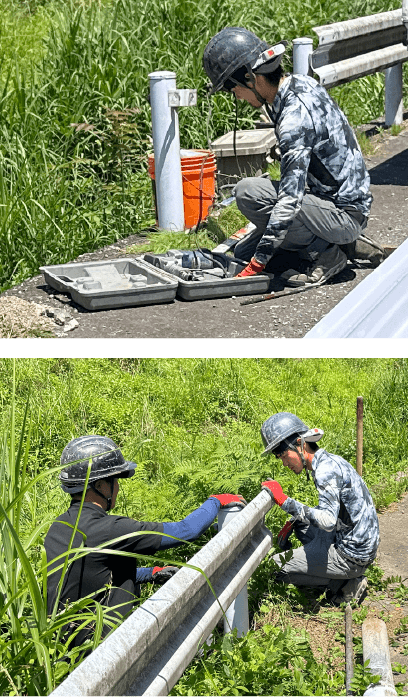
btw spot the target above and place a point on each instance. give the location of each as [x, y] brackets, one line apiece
[319, 208]
[340, 536]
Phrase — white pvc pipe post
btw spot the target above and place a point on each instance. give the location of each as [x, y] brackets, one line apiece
[393, 95]
[376, 650]
[302, 49]
[166, 144]
[237, 615]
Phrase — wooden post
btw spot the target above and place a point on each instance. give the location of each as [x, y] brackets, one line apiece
[359, 454]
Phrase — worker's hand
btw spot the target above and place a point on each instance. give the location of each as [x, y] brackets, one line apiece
[284, 534]
[228, 499]
[161, 574]
[275, 490]
[252, 269]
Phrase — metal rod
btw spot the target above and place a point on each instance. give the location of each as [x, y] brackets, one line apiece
[359, 453]
[349, 649]
[166, 144]
[278, 294]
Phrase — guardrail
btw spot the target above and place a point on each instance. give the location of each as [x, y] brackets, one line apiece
[357, 47]
[148, 653]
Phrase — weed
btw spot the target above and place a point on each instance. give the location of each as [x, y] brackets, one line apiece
[396, 129]
[75, 123]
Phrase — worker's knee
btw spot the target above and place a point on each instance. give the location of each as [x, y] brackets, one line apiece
[247, 194]
[256, 195]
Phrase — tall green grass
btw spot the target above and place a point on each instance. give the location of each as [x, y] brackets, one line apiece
[192, 426]
[36, 651]
[75, 121]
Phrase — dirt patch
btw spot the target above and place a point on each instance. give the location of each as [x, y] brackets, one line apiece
[393, 551]
[22, 319]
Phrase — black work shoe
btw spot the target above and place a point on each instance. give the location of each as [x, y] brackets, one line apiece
[329, 263]
[353, 590]
[364, 249]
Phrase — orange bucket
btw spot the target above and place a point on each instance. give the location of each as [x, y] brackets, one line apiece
[198, 169]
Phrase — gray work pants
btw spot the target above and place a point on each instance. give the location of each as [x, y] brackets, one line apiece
[318, 219]
[318, 562]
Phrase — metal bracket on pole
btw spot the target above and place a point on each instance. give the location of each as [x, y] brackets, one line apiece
[182, 98]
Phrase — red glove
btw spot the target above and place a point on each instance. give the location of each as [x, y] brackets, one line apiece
[228, 499]
[252, 269]
[275, 490]
[284, 534]
[161, 574]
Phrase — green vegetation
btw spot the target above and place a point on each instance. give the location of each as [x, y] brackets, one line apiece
[192, 425]
[75, 122]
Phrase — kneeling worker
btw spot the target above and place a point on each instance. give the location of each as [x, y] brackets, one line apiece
[340, 536]
[112, 580]
[319, 208]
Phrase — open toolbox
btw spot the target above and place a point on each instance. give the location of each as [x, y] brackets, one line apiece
[206, 284]
[102, 285]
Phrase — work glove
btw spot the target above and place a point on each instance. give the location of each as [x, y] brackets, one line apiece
[275, 491]
[228, 499]
[252, 269]
[161, 574]
[283, 536]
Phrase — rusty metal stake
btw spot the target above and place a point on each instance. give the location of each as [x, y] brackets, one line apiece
[359, 454]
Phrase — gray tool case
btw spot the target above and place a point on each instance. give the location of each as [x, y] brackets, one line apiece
[213, 287]
[102, 285]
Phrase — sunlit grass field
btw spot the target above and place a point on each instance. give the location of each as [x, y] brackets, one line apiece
[193, 428]
[75, 120]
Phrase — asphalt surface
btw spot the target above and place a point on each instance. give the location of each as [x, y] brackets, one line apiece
[289, 317]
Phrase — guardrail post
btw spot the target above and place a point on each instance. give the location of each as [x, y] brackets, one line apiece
[302, 49]
[166, 144]
[393, 95]
[237, 615]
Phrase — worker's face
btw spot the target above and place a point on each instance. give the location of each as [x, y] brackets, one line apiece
[262, 86]
[292, 460]
[245, 93]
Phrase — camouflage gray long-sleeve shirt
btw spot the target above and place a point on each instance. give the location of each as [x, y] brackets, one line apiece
[318, 150]
[345, 505]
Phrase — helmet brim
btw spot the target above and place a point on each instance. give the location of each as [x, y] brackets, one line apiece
[128, 472]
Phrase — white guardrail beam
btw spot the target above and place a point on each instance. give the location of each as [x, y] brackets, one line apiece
[357, 47]
[148, 653]
[368, 63]
[349, 29]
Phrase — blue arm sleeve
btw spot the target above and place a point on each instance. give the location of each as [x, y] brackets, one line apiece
[144, 574]
[192, 526]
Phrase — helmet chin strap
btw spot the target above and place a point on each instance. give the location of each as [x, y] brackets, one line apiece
[99, 493]
[302, 457]
[260, 99]
[253, 89]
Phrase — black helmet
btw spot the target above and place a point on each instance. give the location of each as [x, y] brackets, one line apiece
[106, 461]
[279, 428]
[234, 48]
